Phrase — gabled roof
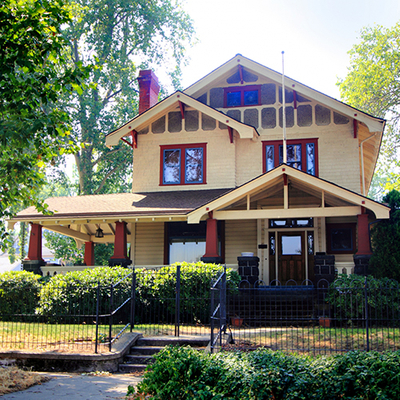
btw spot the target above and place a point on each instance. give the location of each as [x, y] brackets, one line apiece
[172, 103]
[334, 200]
[230, 67]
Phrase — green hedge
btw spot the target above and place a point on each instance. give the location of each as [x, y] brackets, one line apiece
[19, 293]
[347, 297]
[186, 373]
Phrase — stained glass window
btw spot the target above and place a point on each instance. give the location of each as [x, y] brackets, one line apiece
[250, 97]
[269, 155]
[310, 154]
[242, 96]
[293, 155]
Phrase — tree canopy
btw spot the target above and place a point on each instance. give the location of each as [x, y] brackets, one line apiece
[373, 85]
[35, 72]
[385, 238]
[123, 37]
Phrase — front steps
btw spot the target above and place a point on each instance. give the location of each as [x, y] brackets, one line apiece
[142, 353]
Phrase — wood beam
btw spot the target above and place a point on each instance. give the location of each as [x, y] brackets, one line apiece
[69, 232]
[230, 131]
[182, 108]
[288, 213]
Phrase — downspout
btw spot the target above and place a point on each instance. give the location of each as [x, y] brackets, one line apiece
[362, 161]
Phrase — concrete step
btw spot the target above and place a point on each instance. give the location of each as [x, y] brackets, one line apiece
[145, 350]
[174, 341]
[132, 367]
[138, 359]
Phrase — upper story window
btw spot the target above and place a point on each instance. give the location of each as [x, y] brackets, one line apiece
[242, 96]
[183, 164]
[301, 154]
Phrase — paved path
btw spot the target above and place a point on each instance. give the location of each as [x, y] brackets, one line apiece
[78, 387]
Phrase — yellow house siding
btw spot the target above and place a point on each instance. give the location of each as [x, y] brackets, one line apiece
[149, 248]
[220, 160]
[240, 236]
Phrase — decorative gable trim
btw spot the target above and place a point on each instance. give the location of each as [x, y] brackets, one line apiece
[179, 100]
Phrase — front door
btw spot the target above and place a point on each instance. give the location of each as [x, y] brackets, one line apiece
[291, 257]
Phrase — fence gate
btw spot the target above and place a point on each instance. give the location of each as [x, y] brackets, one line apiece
[218, 310]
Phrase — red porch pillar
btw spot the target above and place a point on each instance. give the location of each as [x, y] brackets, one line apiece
[120, 252]
[34, 261]
[89, 253]
[212, 255]
[363, 235]
[35, 244]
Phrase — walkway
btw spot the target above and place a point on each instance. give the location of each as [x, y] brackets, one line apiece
[78, 387]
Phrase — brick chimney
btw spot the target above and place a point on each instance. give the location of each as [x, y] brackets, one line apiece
[149, 89]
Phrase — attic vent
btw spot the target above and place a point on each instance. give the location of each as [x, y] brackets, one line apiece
[217, 97]
[322, 115]
[247, 77]
[340, 119]
[203, 98]
[159, 125]
[268, 93]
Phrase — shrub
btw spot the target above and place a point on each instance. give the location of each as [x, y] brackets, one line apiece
[347, 297]
[19, 292]
[186, 373]
[75, 292]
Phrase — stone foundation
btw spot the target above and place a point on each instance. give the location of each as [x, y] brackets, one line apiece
[324, 267]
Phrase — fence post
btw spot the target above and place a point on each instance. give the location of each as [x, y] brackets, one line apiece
[111, 314]
[177, 299]
[366, 311]
[223, 302]
[212, 318]
[133, 297]
[97, 316]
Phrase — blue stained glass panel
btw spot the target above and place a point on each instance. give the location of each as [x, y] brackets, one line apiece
[194, 165]
[250, 97]
[233, 99]
[269, 157]
[310, 158]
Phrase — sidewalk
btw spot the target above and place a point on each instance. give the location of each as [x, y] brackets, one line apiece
[78, 387]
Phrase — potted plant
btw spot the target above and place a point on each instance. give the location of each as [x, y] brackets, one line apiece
[236, 321]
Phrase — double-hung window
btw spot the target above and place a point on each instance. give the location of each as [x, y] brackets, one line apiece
[242, 96]
[183, 164]
[301, 154]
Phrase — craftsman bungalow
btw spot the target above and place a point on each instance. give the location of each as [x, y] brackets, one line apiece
[209, 181]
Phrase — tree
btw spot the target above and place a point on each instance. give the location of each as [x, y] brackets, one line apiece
[373, 85]
[123, 37]
[34, 73]
[385, 239]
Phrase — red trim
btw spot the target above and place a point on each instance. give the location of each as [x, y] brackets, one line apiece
[241, 74]
[355, 128]
[303, 142]
[133, 144]
[182, 147]
[35, 243]
[295, 99]
[89, 253]
[285, 180]
[230, 130]
[242, 89]
[182, 108]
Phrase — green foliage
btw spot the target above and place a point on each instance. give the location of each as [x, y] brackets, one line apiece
[186, 373]
[372, 85]
[64, 248]
[195, 286]
[19, 292]
[34, 73]
[124, 37]
[75, 291]
[385, 239]
[347, 297]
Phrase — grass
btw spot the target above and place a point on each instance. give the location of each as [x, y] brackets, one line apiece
[71, 338]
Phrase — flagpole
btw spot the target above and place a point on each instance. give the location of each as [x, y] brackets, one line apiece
[283, 111]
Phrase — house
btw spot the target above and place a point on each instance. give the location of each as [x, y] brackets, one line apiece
[211, 180]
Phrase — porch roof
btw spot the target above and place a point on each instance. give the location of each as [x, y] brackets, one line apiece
[309, 196]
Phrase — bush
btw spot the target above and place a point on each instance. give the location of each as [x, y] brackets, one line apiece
[19, 293]
[157, 287]
[347, 297]
[185, 373]
[75, 293]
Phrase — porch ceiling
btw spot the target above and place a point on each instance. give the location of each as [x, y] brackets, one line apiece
[304, 196]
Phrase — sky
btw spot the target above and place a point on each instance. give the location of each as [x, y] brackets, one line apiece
[315, 35]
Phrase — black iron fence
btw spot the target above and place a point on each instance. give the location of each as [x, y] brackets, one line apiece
[321, 318]
[362, 314]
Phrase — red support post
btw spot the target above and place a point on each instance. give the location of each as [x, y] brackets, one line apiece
[363, 235]
[212, 238]
[89, 253]
[120, 241]
[35, 244]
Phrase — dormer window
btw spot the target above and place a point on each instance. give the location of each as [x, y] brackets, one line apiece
[242, 96]
[183, 164]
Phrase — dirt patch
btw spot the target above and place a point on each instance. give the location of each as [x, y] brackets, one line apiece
[13, 379]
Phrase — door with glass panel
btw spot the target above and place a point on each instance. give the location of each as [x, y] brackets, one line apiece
[291, 257]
